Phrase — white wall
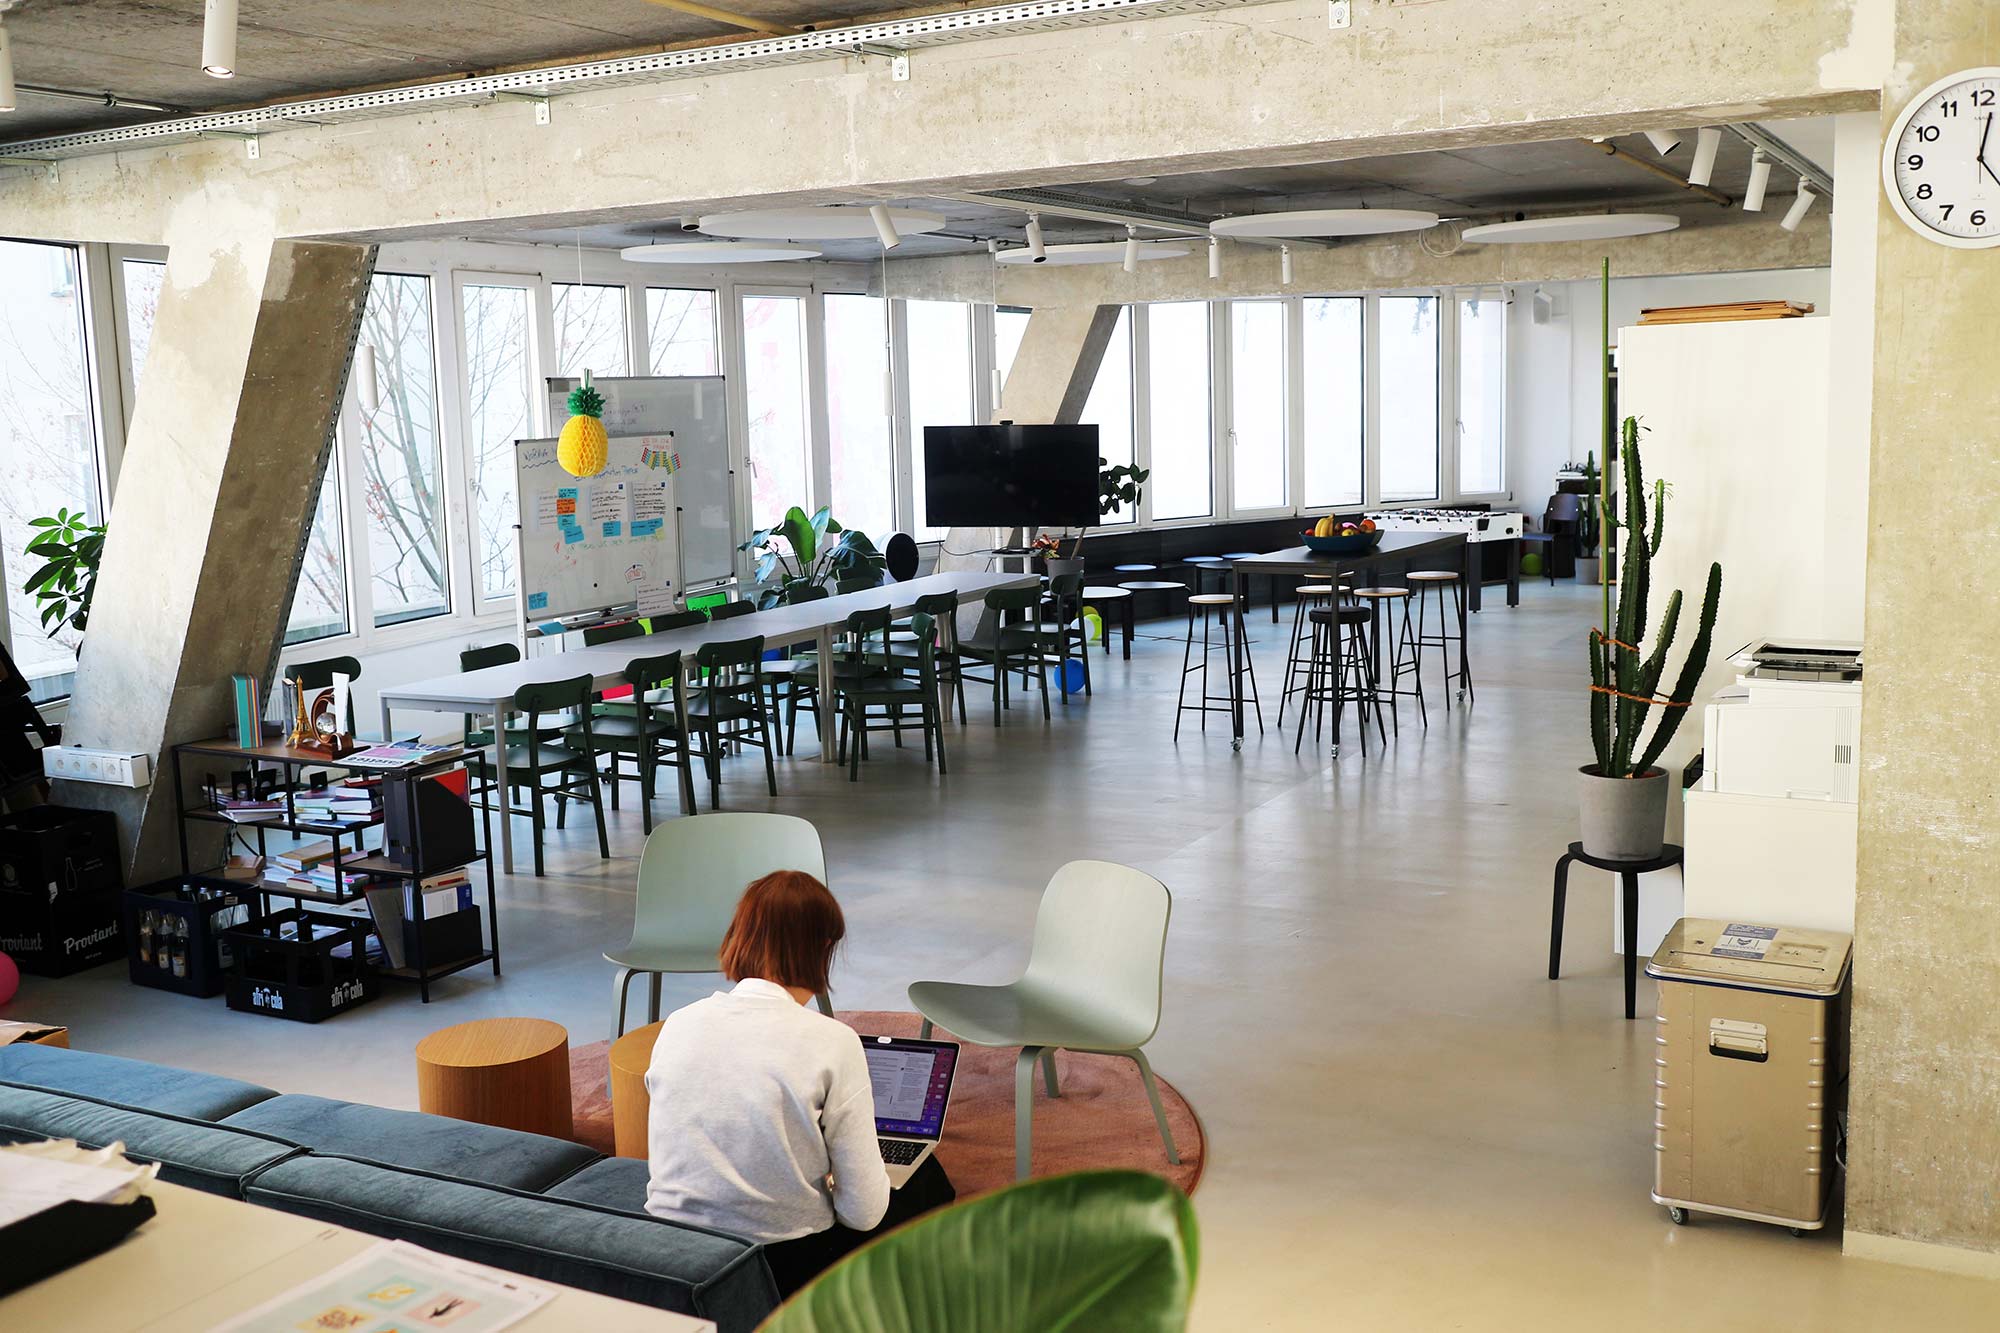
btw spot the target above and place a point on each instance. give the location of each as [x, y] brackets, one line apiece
[1554, 368]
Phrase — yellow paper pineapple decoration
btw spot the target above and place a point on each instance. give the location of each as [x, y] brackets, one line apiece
[582, 448]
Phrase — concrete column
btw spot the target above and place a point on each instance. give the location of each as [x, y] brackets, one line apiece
[222, 469]
[1925, 1099]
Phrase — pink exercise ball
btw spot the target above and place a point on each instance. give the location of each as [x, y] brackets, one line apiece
[10, 978]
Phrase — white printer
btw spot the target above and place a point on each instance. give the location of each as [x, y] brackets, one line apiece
[1791, 724]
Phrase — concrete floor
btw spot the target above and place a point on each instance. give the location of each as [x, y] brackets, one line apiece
[1409, 1126]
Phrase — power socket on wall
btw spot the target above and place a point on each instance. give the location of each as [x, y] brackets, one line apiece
[112, 768]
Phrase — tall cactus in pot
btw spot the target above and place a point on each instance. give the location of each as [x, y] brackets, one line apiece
[1624, 675]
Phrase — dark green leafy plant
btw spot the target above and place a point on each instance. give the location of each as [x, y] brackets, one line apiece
[1102, 1251]
[1119, 486]
[1622, 681]
[811, 559]
[70, 547]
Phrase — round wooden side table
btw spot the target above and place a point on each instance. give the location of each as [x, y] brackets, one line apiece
[631, 1107]
[510, 1072]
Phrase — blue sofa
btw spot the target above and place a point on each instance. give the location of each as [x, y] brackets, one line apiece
[538, 1206]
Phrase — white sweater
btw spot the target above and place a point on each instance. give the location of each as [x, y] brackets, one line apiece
[755, 1099]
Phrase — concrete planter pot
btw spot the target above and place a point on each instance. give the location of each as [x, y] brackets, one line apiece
[1588, 568]
[1624, 819]
[1060, 566]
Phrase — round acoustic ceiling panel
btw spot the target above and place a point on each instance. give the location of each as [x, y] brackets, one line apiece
[834, 222]
[716, 252]
[1094, 252]
[1587, 227]
[1305, 222]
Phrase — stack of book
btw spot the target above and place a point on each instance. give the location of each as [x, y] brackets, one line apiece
[337, 805]
[245, 810]
[310, 867]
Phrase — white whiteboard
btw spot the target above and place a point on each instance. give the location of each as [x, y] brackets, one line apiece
[590, 543]
[694, 409]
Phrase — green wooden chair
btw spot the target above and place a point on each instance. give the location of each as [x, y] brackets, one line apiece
[480, 737]
[624, 629]
[729, 708]
[651, 735]
[1012, 647]
[691, 875]
[572, 766]
[1065, 608]
[1092, 983]
[318, 675]
[794, 678]
[869, 675]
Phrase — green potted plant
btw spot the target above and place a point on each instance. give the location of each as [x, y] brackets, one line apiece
[69, 546]
[812, 559]
[1622, 798]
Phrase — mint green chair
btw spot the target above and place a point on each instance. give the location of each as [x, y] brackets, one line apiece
[1092, 984]
[691, 875]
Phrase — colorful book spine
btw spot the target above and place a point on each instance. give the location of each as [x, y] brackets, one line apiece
[247, 702]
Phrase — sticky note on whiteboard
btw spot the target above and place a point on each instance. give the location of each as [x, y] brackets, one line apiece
[538, 601]
[571, 536]
[613, 529]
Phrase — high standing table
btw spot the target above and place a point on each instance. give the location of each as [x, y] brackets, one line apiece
[1397, 547]
[490, 692]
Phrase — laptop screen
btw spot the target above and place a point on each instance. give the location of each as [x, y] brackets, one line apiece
[912, 1081]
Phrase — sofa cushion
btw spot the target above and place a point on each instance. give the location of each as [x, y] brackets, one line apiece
[662, 1264]
[190, 1152]
[617, 1183]
[122, 1082]
[412, 1140]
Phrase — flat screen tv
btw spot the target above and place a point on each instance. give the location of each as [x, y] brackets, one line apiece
[1010, 476]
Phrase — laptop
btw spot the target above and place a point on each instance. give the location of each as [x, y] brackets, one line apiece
[912, 1081]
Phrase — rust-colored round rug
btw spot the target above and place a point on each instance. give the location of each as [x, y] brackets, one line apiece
[1101, 1119]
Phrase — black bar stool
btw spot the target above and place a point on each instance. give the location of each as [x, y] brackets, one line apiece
[1221, 603]
[1402, 650]
[1341, 671]
[1298, 659]
[1448, 631]
[1204, 565]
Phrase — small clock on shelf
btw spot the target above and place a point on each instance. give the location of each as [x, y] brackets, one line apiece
[1941, 163]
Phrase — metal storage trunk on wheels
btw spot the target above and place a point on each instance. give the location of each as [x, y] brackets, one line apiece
[1750, 1070]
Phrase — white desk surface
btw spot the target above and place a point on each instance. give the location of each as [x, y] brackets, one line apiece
[205, 1258]
[782, 626]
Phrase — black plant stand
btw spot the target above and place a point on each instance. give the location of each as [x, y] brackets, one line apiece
[1628, 873]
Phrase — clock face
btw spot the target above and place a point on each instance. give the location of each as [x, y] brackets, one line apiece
[1941, 164]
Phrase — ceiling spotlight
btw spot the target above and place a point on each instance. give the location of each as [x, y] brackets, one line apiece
[1214, 258]
[6, 67]
[1760, 177]
[1141, 180]
[1131, 249]
[992, 245]
[690, 222]
[1285, 265]
[218, 39]
[885, 229]
[1037, 252]
[367, 389]
[1663, 141]
[1800, 207]
[1706, 141]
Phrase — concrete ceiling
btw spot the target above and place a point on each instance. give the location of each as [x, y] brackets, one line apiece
[286, 49]
[1476, 184]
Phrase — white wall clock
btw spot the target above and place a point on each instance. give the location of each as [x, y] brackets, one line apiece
[1941, 164]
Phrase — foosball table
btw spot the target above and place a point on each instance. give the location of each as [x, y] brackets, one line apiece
[1479, 526]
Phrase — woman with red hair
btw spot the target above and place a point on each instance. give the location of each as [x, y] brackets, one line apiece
[763, 1117]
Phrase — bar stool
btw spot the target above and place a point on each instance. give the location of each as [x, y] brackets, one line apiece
[1230, 557]
[1203, 565]
[1102, 598]
[1402, 651]
[1221, 603]
[1134, 569]
[1298, 659]
[1340, 671]
[1449, 629]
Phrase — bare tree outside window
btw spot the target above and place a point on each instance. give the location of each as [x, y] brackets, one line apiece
[680, 332]
[590, 329]
[143, 278]
[499, 410]
[398, 454]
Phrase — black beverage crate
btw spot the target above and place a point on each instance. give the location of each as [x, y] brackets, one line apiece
[301, 964]
[59, 889]
[177, 932]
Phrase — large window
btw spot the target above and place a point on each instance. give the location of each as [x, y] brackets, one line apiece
[319, 602]
[590, 329]
[940, 374]
[1482, 396]
[142, 304]
[861, 455]
[398, 457]
[1109, 407]
[1182, 463]
[499, 394]
[774, 390]
[1009, 323]
[680, 332]
[1333, 402]
[48, 439]
[1258, 406]
[1409, 338]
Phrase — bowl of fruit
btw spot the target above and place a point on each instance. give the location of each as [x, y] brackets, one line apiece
[1334, 536]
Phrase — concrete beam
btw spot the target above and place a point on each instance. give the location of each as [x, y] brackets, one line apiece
[1925, 1102]
[221, 472]
[1262, 85]
[1061, 349]
[1702, 245]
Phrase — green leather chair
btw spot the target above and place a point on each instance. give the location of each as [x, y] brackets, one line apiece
[1092, 984]
[691, 875]
[650, 733]
[572, 766]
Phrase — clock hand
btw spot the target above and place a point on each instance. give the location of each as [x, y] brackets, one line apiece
[1980, 156]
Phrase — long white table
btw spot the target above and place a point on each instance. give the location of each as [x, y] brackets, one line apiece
[490, 692]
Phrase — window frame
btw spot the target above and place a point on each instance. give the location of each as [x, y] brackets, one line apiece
[539, 357]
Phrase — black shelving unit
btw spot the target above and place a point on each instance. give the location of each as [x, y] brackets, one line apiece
[290, 763]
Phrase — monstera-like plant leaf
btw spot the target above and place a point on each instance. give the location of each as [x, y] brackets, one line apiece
[1104, 1251]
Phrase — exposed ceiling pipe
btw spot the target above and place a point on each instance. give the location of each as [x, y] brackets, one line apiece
[1052, 203]
[1664, 173]
[113, 100]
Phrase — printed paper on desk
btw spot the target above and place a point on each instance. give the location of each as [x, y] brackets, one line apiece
[397, 1285]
